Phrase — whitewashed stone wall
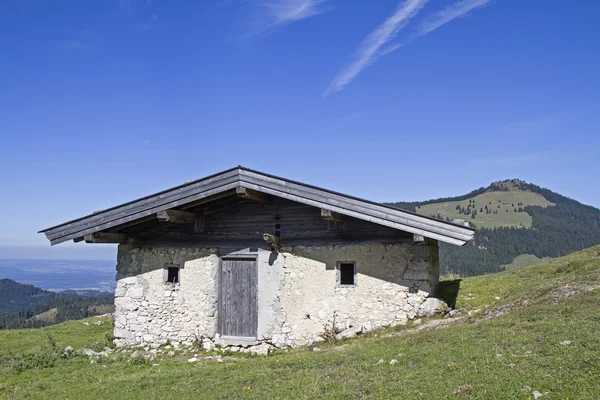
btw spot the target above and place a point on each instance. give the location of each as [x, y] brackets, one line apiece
[149, 310]
[392, 283]
[298, 295]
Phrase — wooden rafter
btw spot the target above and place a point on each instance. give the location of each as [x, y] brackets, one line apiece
[176, 217]
[253, 195]
[332, 216]
[252, 185]
[105, 237]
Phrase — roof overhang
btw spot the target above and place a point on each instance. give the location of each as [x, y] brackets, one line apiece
[231, 179]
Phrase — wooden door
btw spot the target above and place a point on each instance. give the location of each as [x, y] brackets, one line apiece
[238, 310]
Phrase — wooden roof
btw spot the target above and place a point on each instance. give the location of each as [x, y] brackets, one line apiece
[227, 181]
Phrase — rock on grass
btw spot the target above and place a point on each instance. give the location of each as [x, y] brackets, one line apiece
[463, 389]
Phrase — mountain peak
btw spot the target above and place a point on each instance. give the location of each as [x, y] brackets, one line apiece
[508, 185]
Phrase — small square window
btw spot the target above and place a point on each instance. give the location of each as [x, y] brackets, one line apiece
[172, 273]
[347, 274]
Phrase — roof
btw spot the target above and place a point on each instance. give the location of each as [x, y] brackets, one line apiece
[265, 183]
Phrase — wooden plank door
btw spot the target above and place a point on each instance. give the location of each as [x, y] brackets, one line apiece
[238, 309]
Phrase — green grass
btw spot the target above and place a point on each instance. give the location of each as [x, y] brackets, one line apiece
[523, 260]
[497, 357]
[72, 333]
[506, 215]
[553, 276]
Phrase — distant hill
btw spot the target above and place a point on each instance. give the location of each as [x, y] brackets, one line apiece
[513, 218]
[26, 306]
[15, 296]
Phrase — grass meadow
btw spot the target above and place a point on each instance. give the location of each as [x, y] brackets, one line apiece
[547, 340]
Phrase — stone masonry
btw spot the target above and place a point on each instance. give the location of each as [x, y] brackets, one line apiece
[298, 295]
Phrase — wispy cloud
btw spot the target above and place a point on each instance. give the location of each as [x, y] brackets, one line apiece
[283, 11]
[370, 48]
[275, 13]
[440, 18]
[446, 15]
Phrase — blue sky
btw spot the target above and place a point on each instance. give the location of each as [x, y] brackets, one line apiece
[105, 101]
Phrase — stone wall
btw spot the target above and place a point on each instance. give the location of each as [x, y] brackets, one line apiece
[298, 295]
[392, 282]
[149, 310]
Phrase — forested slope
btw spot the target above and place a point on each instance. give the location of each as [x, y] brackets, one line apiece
[556, 230]
[21, 305]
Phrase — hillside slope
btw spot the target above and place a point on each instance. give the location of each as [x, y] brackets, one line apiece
[15, 296]
[26, 306]
[530, 329]
[513, 218]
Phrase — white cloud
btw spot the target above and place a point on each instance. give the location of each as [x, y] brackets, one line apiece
[273, 14]
[282, 11]
[369, 50]
[448, 14]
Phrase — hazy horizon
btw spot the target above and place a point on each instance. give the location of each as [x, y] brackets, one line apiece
[67, 252]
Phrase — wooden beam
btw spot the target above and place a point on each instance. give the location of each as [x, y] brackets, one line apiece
[253, 195]
[176, 217]
[273, 241]
[105, 237]
[332, 216]
[154, 229]
[199, 224]
[418, 239]
[127, 225]
[222, 206]
[356, 208]
[194, 193]
[431, 242]
[227, 193]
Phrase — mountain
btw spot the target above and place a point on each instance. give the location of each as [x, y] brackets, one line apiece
[15, 296]
[515, 221]
[26, 306]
